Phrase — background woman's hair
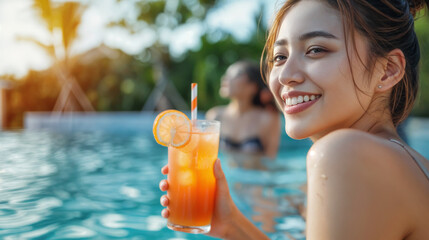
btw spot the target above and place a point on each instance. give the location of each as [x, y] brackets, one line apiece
[387, 25]
[253, 73]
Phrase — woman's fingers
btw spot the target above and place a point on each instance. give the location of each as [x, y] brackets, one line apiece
[163, 185]
[164, 201]
[221, 185]
[165, 213]
[164, 170]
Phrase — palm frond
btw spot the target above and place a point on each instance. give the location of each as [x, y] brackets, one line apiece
[50, 50]
[44, 8]
[71, 16]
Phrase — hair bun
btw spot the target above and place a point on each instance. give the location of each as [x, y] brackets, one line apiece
[417, 5]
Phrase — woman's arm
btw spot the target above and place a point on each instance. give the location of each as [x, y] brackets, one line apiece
[241, 228]
[271, 135]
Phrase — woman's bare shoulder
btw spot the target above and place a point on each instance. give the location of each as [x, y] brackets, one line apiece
[215, 113]
[360, 176]
[360, 152]
[354, 145]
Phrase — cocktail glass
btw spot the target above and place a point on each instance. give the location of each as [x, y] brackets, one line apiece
[191, 181]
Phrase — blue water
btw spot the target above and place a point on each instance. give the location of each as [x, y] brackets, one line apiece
[105, 186]
[79, 186]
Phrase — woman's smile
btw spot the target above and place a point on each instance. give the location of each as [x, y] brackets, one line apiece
[295, 101]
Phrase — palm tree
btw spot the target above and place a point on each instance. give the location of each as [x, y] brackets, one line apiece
[64, 17]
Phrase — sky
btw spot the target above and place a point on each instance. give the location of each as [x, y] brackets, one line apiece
[18, 19]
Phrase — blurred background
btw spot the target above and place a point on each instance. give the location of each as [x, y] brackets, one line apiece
[80, 85]
[121, 55]
[132, 55]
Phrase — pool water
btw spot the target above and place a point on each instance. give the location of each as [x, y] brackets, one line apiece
[105, 186]
[102, 185]
[74, 186]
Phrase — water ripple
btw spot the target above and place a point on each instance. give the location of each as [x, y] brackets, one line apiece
[74, 232]
[4, 212]
[100, 186]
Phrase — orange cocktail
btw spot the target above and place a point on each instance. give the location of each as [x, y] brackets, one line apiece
[191, 180]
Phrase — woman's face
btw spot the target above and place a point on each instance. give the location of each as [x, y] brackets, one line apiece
[235, 83]
[311, 77]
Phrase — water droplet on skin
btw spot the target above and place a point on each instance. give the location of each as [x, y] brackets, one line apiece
[324, 176]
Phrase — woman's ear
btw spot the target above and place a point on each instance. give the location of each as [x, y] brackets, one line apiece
[394, 70]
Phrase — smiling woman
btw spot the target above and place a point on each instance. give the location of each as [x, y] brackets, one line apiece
[344, 74]
[319, 53]
[363, 77]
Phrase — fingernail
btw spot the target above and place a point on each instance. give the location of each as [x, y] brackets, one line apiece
[164, 213]
[217, 164]
[163, 201]
[162, 185]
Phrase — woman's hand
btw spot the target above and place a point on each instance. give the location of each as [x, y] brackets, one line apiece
[163, 185]
[224, 209]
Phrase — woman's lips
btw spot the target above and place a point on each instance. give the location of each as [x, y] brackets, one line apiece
[299, 107]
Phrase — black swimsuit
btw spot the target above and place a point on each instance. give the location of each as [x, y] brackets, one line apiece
[251, 145]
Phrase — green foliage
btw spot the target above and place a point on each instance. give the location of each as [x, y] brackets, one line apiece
[169, 14]
[207, 65]
[119, 83]
[149, 10]
[422, 105]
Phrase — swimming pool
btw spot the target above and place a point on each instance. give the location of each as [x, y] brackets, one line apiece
[104, 185]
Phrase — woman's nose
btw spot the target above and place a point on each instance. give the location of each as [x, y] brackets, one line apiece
[291, 73]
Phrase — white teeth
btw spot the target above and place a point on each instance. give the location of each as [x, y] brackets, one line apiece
[306, 98]
[299, 99]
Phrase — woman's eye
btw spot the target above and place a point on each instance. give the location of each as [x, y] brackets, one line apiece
[316, 51]
[279, 58]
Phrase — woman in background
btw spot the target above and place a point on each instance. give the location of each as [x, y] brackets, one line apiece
[250, 122]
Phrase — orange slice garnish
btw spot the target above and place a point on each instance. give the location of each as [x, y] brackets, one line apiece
[172, 128]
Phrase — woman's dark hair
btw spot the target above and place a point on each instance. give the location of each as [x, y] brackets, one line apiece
[252, 71]
[387, 25]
